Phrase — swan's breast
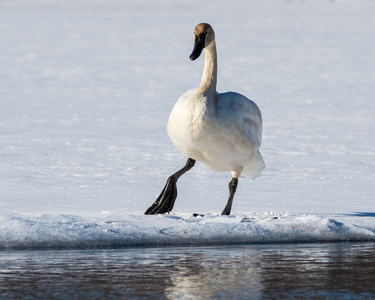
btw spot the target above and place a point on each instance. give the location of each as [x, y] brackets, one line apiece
[187, 121]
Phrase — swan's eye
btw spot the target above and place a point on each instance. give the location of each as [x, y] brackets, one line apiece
[203, 35]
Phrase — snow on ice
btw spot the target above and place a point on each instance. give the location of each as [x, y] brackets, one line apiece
[69, 231]
[86, 90]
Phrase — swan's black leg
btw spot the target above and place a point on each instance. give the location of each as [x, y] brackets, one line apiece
[164, 203]
[232, 191]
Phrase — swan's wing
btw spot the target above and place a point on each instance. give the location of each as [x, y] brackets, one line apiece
[241, 117]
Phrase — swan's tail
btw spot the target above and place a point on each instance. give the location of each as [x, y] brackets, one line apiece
[255, 167]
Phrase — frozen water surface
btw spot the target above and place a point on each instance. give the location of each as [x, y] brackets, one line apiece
[86, 89]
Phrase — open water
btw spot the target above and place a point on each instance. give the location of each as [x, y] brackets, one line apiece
[271, 271]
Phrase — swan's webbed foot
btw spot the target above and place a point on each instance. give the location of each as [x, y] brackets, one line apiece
[232, 190]
[164, 203]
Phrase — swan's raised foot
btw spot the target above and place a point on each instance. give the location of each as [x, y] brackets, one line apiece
[164, 203]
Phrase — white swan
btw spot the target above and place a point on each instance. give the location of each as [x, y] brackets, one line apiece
[222, 131]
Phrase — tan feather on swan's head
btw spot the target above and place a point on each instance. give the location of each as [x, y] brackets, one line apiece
[206, 30]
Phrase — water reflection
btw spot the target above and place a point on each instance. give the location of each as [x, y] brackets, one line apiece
[240, 272]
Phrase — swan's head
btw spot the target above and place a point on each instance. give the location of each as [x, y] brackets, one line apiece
[203, 36]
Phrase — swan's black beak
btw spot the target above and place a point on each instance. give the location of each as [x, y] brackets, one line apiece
[198, 46]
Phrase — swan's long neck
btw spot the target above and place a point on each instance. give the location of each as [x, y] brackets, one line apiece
[209, 77]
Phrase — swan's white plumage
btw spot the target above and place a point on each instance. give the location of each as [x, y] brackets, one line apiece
[222, 131]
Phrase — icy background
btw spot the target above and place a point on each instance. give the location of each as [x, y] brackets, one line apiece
[86, 88]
